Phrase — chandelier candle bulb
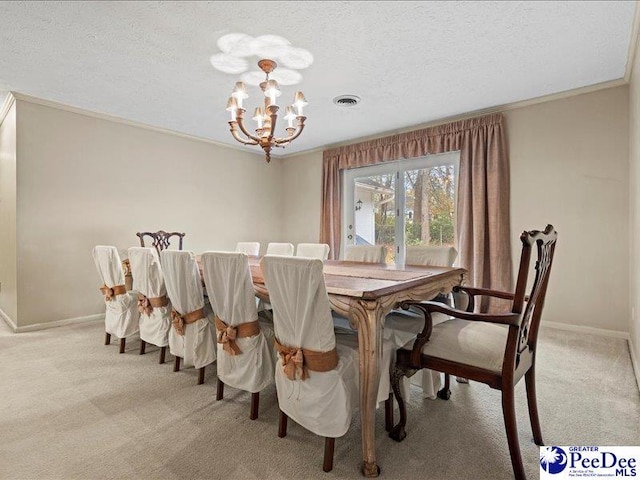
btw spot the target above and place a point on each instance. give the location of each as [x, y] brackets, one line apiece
[266, 119]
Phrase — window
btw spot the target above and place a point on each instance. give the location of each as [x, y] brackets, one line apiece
[408, 202]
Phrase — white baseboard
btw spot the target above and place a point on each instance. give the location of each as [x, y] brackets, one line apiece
[8, 321]
[603, 332]
[59, 323]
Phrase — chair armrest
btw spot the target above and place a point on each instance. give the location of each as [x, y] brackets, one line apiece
[484, 291]
[500, 318]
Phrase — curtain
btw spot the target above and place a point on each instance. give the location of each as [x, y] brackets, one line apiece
[483, 223]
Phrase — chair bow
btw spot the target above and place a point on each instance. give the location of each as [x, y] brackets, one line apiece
[293, 363]
[178, 322]
[227, 337]
[108, 293]
[144, 306]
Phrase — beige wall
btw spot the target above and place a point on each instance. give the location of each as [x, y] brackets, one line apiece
[302, 193]
[634, 202]
[569, 167]
[8, 269]
[84, 181]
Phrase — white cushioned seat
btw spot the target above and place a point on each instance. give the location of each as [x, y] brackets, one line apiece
[313, 250]
[285, 249]
[365, 253]
[478, 344]
[197, 347]
[250, 248]
[228, 280]
[149, 281]
[324, 402]
[121, 315]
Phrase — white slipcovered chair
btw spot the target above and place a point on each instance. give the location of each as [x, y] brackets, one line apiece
[403, 326]
[317, 371]
[313, 250]
[365, 253]
[153, 304]
[250, 248]
[192, 337]
[245, 346]
[121, 316]
[285, 249]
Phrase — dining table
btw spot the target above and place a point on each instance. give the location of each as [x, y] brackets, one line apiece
[365, 293]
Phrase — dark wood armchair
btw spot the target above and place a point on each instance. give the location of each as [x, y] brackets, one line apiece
[160, 239]
[496, 349]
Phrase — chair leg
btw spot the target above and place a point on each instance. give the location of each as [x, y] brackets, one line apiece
[220, 390]
[163, 351]
[282, 425]
[123, 342]
[388, 413]
[176, 364]
[397, 433]
[530, 381]
[329, 445]
[445, 393]
[511, 427]
[143, 346]
[255, 404]
[201, 376]
[107, 338]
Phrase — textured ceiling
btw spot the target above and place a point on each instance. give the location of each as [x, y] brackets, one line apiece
[410, 62]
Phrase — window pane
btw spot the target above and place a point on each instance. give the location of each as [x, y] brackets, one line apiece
[375, 212]
[430, 206]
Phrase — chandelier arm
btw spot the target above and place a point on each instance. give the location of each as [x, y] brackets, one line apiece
[296, 134]
[234, 132]
[239, 120]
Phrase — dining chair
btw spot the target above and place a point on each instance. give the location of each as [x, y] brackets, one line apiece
[160, 240]
[192, 337]
[316, 378]
[402, 326]
[497, 349]
[121, 316]
[250, 248]
[244, 353]
[285, 249]
[313, 250]
[153, 304]
[365, 253]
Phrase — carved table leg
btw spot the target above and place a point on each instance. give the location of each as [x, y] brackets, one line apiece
[369, 317]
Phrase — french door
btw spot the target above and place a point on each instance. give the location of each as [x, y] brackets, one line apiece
[395, 204]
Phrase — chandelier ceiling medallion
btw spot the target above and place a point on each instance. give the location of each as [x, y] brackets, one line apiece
[267, 117]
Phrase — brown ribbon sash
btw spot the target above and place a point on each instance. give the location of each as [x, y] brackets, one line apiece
[227, 334]
[296, 361]
[179, 321]
[146, 304]
[110, 292]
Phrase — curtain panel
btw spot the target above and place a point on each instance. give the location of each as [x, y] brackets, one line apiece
[483, 223]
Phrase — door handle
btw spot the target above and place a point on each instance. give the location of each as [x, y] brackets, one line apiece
[350, 237]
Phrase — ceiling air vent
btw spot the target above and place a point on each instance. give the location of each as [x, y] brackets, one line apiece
[347, 100]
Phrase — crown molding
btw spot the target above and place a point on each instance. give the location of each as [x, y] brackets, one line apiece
[6, 106]
[476, 113]
[23, 97]
[633, 43]
[486, 111]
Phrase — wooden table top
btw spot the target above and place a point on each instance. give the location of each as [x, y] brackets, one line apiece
[368, 280]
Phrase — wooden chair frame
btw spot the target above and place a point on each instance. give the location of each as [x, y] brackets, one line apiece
[161, 239]
[519, 358]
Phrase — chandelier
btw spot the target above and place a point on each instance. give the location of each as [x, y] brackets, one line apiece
[266, 118]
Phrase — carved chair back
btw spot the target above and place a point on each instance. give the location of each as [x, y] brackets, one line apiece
[160, 240]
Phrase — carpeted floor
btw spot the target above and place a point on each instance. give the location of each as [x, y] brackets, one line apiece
[75, 409]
